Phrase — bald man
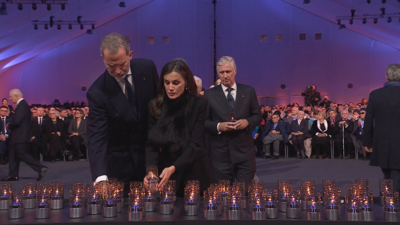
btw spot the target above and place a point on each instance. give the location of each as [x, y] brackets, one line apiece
[20, 139]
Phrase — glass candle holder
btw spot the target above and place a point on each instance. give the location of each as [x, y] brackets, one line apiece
[391, 209]
[93, 201]
[234, 207]
[313, 211]
[16, 209]
[271, 203]
[191, 202]
[57, 196]
[171, 189]
[136, 210]
[332, 206]
[385, 188]
[5, 195]
[76, 204]
[258, 210]
[284, 196]
[293, 207]
[29, 197]
[152, 172]
[353, 210]
[150, 201]
[109, 204]
[210, 206]
[367, 206]
[166, 206]
[307, 193]
[42, 209]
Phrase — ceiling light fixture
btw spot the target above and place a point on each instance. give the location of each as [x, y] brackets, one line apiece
[34, 6]
[122, 4]
[375, 20]
[20, 7]
[364, 21]
[49, 7]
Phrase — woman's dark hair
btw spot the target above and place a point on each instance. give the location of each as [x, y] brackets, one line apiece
[175, 65]
[81, 112]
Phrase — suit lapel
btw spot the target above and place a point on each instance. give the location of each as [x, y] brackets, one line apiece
[118, 99]
[222, 100]
[140, 87]
[240, 95]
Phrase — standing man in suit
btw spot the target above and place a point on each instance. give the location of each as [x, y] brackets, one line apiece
[382, 126]
[118, 118]
[20, 138]
[38, 145]
[4, 134]
[232, 115]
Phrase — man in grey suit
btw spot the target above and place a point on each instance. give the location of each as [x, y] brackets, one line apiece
[381, 126]
[233, 112]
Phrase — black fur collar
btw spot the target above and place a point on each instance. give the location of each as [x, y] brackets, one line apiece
[171, 131]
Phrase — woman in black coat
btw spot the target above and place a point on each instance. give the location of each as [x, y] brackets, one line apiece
[53, 131]
[320, 131]
[77, 133]
[176, 130]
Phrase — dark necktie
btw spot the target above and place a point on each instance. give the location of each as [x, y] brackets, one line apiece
[332, 122]
[40, 121]
[130, 93]
[3, 126]
[231, 101]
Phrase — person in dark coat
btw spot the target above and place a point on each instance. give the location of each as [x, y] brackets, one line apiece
[274, 132]
[20, 138]
[340, 128]
[4, 135]
[77, 133]
[53, 133]
[176, 130]
[382, 126]
[320, 133]
[300, 132]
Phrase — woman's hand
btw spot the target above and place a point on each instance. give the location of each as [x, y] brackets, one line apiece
[165, 175]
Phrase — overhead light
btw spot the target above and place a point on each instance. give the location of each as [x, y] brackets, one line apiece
[383, 11]
[20, 6]
[375, 20]
[78, 19]
[351, 22]
[353, 12]
[46, 26]
[369, 1]
[306, 2]
[70, 26]
[59, 26]
[122, 4]
[389, 19]
[62, 6]
[338, 22]
[49, 7]
[89, 31]
[34, 6]
[364, 21]
[92, 26]
[81, 26]
[342, 26]
[383, 1]
[35, 26]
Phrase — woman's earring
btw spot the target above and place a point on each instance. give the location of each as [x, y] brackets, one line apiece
[186, 87]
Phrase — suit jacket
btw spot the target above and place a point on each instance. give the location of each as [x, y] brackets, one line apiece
[81, 130]
[337, 130]
[4, 126]
[112, 127]
[20, 124]
[281, 127]
[36, 129]
[48, 128]
[382, 127]
[303, 127]
[314, 96]
[234, 146]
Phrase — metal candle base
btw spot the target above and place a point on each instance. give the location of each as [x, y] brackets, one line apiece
[304, 204]
[119, 207]
[191, 210]
[234, 214]
[150, 206]
[331, 214]
[293, 213]
[367, 215]
[76, 212]
[220, 208]
[56, 203]
[381, 200]
[259, 215]
[16, 213]
[211, 214]
[135, 216]
[391, 216]
[224, 201]
[272, 213]
[42, 213]
[29, 203]
[93, 209]
[351, 216]
[4, 203]
[110, 211]
[166, 209]
[282, 206]
[313, 215]
[243, 203]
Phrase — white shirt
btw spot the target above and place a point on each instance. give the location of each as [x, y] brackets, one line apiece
[121, 81]
[233, 92]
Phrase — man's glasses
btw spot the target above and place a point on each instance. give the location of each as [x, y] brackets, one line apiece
[362, 113]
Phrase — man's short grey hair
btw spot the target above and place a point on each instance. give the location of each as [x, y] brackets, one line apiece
[16, 92]
[300, 111]
[113, 42]
[393, 72]
[225, 59]
[198, 79]
[283, 113]
[343, 111]
[55, 111]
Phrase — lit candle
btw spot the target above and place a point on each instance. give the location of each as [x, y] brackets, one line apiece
[17, 203]
[76, 203]
[42, 203]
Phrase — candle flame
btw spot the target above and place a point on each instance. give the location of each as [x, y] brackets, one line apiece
[42, 200]
[313, 203]
[57, 191]
[76, 198]
[136, 203]
[269, 199]
[5, 191]
[354, 203]
[332, 201]
[30, 191]
[210, 201]
[258, 201]
[366, 202]
[391, 201]
[387, 188]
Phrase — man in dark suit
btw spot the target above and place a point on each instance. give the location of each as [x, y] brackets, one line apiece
[325, 103]
[382, 126]
[4, 134]
[232, 115]
[315, 96]
[300, 132]
[341, 133]
[20, 138]
[38, 145]
[274, 132]
[118, 117]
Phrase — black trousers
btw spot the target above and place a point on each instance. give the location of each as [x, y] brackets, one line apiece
[240, 172]
[54, 142]
[76, 142]
[20, 152]
[37, 146]
[348, 145]
[394, 175]
[298, 143]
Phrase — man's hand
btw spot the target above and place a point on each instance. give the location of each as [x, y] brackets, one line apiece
[32, 138]
[2, 137]
[255, 136]
[165, 175]
[226, 126]
[368, 148]
[241, 124]
[342, 123]
[59, 133]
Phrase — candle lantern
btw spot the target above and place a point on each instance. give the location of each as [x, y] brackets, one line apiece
[258, 211]
[94, 200]
[191, 203]
[214, 192]
[117, 189]
[16, 209]
[353, 211]
[136, 210]
[224, 192]
[42, 209]
[29, 195]
[307, 193]
[234, 208]
[5, 195]
[171, 189]
[363, 184]
[109, 204]
[240, 189]
[166, 203]
[367, 206]
[293, 207]
[332, 206]
[313, 211]
[328, 186]
[386, 188]
[152, 172]
[76, 204]
[210, 206]
[392, 208]
[284, 195]
[150, 201]
[271, 203]
[57, 196]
